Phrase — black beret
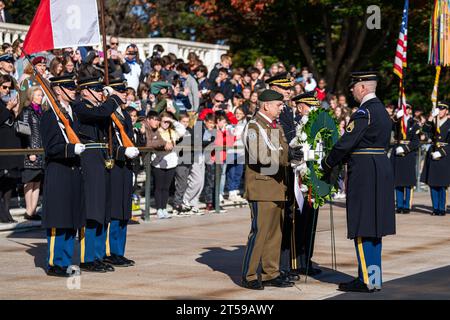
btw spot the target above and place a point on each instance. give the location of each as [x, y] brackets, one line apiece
[66, 81]
[281, 80]
[360, 76]
[270, 95]
[443, 105]
[308, 98]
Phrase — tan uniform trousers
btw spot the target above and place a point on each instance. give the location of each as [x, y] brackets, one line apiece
[264, 241]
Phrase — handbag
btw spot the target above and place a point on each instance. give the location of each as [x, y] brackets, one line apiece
[22, 128]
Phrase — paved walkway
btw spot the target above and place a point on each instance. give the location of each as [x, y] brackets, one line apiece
[200, 257]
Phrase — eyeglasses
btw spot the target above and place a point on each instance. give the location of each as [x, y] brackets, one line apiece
[220, 101]
[166, 122]
[6, 87]
[131, 53]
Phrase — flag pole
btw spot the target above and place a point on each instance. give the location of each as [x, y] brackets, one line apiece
[103, 32]
[106, 75]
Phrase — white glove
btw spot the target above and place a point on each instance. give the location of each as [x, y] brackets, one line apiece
[131, 152]
[309, 156]
[435, 112]
[399, 151]
[436, 155]
[79, 148]
[107, 91]
[400, 113]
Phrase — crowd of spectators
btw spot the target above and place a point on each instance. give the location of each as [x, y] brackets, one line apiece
[169, 100]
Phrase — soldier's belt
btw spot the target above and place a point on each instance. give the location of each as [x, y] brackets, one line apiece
[96, 145]
[404, 141]
[369, 151]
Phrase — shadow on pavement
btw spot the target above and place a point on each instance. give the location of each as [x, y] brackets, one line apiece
[226, 261]
[428, 285]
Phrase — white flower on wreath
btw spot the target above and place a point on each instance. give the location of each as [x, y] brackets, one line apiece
[303, 169]
[304, 188]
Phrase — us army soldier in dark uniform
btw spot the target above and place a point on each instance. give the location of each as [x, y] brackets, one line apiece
[370, 190]
[436, 171]
[121, 185]
[94, 119]
[404, 158]
[265, 189]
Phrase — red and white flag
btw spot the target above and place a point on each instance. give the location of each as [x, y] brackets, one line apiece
[62, 24]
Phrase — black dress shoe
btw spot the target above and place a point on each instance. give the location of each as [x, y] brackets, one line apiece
[406, 211]
[92, 267]
[355, 285]
[398, 210]
[106, 266]
[253, 284]
[311, 271]
[435, 212]
[441, 213]
[115, 261]
[57, 271]
[290, 276]
[129, 261]
[278, 282]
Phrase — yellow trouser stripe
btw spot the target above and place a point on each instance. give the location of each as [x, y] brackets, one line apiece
[108, 249]
[411, 198]
[363, 261]
[52, 247]
[82, 244]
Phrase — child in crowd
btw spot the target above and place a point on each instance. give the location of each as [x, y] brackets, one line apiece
[236, 158]
[165, 162]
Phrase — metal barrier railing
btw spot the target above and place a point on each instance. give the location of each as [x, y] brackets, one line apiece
[147, 167]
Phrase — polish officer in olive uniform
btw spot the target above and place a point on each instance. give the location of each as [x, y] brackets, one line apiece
[283, 83]
[63, 203]
[404, 159]
[436, 171]
[121, 183]
[370, 186]
[94, 116]
[266, 152]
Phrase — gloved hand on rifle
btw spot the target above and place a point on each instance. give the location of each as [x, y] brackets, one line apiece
[131, 152]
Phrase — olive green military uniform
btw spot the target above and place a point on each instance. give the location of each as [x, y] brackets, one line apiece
[265, 189]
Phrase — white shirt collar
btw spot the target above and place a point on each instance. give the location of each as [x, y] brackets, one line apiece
[367, 97]
[265, 117]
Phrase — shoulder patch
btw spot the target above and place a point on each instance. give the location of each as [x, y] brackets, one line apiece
[361, 111]
[350, 127]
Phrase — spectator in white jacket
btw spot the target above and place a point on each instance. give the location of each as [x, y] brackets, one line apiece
[165, 162]
[135, 64]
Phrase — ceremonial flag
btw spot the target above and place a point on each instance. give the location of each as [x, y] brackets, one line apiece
[400, 54]
[400, 63]
[62, 24]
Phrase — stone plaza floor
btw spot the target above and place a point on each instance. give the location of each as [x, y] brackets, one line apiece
[200, 257]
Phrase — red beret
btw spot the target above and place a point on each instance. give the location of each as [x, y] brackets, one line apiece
[39, 59]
